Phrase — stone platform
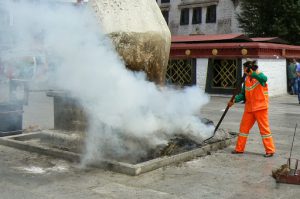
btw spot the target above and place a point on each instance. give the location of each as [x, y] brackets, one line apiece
[69, 147]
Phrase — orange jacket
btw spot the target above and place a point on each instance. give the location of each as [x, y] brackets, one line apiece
[256, 95]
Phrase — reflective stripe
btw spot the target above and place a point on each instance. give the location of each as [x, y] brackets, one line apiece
[266, 93]
[252, 87]
[266, 136]
[243, 134]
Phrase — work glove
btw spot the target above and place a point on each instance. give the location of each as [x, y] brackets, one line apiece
[230, 103]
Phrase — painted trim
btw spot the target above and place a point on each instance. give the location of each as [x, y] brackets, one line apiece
[233, 50]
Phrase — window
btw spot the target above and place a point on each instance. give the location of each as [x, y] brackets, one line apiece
[181, 72]
[184, 16]
[197, 15]
[211, 14]
[165, 13]
[165, 1]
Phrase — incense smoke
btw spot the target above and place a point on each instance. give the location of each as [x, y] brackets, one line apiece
[127, 114]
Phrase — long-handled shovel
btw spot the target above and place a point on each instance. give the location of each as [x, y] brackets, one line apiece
[235, 92]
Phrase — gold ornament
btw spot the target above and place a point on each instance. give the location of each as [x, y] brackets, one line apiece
[214, 51]
[244, 51]
[187, 52]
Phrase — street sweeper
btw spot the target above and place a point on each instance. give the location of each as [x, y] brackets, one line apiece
[254, 93]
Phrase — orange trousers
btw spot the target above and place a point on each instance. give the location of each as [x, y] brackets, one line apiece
[247, 123]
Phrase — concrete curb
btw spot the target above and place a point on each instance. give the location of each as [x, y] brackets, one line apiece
[18, 141]
[137, 169]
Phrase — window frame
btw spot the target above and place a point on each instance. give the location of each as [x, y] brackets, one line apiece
[197, 15]
[211, 14]
[185, 16]
[166, 17]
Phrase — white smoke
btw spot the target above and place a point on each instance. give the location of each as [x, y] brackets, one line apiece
[127, 114]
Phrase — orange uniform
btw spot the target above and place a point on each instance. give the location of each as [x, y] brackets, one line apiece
[255, 92]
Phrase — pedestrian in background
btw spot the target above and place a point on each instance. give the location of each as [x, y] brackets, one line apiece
[298, 80]
[255, 95]
[292, 77]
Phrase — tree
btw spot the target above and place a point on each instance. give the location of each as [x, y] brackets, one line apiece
[271, 18]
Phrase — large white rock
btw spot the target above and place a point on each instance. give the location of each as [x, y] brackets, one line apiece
[139, 32]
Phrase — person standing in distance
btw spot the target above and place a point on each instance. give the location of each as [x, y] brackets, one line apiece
[298, 80]
[292, 77]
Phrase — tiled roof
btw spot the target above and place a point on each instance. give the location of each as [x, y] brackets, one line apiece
[210, 38]
[269, 39]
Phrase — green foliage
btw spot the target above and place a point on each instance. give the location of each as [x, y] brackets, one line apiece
[271, 18]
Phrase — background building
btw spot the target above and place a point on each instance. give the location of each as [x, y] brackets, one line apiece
[185, 17]
[214, 62]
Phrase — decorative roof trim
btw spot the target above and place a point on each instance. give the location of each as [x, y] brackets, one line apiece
[234, 50]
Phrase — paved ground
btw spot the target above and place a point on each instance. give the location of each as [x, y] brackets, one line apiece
[220, 175]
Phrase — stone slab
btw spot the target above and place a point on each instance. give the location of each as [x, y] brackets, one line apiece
[18, 141]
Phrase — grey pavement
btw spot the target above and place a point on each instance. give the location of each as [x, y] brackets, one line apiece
[219, 175]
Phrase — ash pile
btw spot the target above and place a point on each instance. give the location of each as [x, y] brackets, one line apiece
[283, 170]
[133, 149]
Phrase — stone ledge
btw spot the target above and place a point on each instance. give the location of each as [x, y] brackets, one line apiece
[19, 142]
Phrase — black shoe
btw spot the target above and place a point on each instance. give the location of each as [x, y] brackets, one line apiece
[236, 152]
[268, 155]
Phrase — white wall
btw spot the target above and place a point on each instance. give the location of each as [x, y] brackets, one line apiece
[275, 70]
[226, 18]
[201, 72]
[234, 22]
